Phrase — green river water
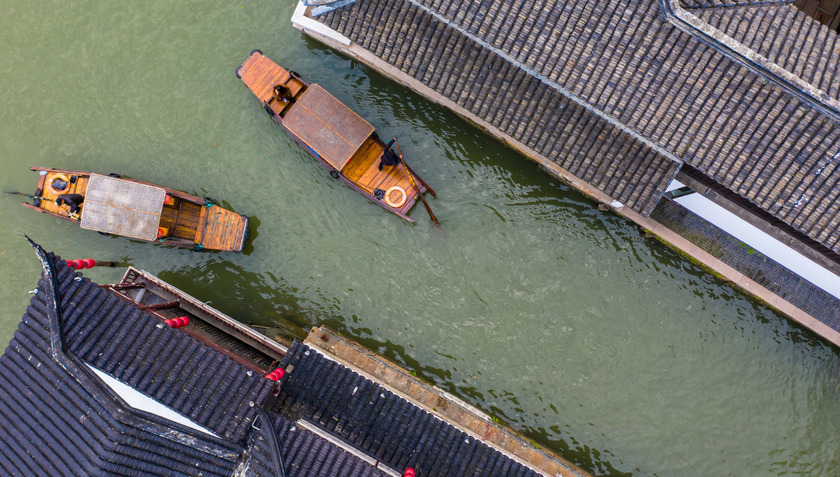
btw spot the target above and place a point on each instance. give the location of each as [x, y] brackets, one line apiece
[561, 320]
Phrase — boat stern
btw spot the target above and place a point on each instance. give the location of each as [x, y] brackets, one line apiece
[222, 229]
[276, 88]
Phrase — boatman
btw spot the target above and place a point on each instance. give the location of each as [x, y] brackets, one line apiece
[71, 200]
[282, 93]
[389, 158]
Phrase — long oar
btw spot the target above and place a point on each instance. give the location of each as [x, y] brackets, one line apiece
[35, 197]
[422, 182]
[419, 192]
[14, 192]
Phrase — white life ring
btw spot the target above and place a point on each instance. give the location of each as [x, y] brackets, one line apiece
[62, 177]
[399, 203]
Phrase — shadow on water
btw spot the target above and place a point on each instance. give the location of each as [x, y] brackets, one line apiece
[260, 299]
[253, 233]
[555, 440]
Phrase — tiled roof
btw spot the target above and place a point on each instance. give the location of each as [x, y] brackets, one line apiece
[380, 423]
[466, 64]
[59, 418]
[118, 338]
[618, 95]
[785, 36]
[304, 454]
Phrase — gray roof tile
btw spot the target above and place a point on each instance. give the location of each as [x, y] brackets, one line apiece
[60, 419]
[548, 73]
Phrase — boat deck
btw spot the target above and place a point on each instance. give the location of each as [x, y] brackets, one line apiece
[363, 170]
[221, 229]
[262, 75]
[49, 195]
[180, 219]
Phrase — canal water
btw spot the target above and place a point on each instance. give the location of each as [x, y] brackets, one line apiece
[560, 320]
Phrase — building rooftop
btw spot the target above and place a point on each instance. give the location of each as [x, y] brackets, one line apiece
[621, 97]
[384, 425]
[80, 348]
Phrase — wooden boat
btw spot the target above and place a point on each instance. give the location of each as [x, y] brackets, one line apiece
[341, 140]
[121, 206]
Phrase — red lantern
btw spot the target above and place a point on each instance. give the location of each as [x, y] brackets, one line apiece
[276, 375]
[178, 322]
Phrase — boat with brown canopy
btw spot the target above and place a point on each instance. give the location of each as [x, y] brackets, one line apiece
[117, 205]
[336, 136]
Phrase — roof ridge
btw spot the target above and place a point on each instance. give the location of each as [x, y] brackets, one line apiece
[785, 77]
[698, 5]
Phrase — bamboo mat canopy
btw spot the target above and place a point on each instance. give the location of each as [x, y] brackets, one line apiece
[122, 207]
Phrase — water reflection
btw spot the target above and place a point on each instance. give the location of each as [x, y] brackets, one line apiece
[260, 299]
[254, 227]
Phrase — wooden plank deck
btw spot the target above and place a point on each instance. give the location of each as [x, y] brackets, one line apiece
[80, 187]
[261, 75]
[221, 229]
[168, 217]
[363, 170]
[182, 220]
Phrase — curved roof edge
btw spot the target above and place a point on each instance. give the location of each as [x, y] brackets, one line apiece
[684, 20]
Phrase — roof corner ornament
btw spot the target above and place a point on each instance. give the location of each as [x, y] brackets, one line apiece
[324, 6]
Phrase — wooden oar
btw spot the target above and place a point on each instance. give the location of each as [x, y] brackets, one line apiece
[14, 192]
[35, 197]
[419, 192]
[422, 182]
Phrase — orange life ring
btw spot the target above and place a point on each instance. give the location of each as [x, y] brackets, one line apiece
[62, 177]
[399, 203]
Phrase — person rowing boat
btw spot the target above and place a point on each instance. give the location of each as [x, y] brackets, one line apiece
[389, 157]
[73, 201]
